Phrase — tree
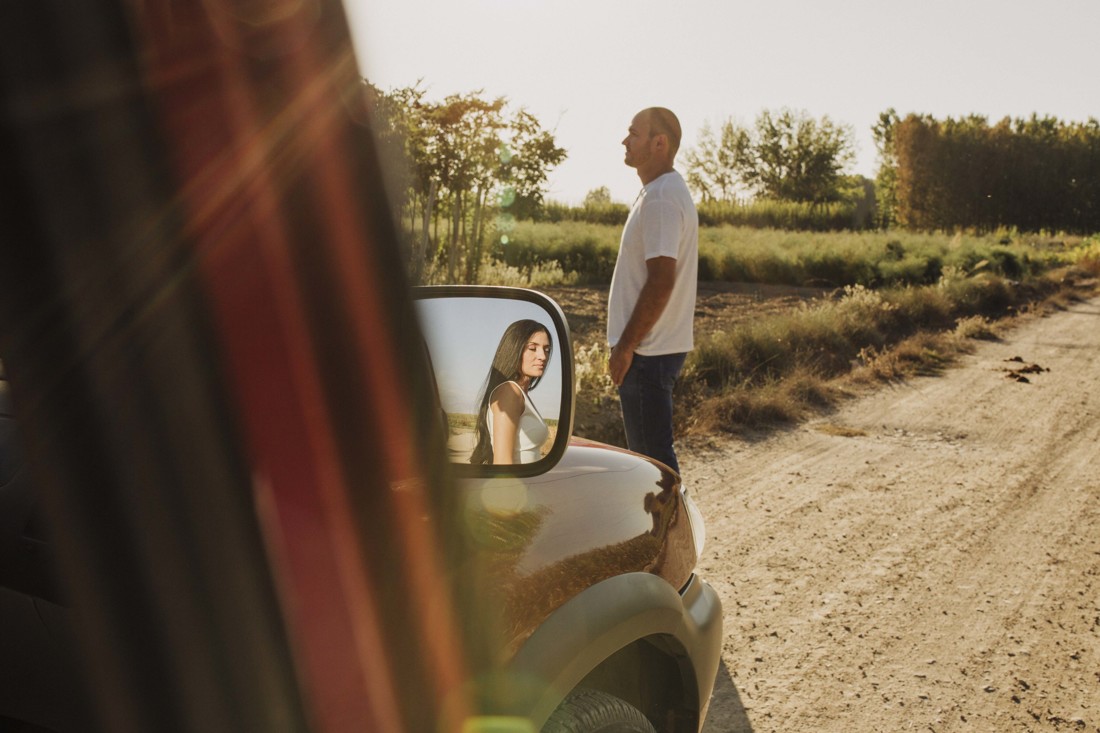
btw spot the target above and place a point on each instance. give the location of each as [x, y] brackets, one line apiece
[466, 143]
[886, 178]
[787, 156]
[792, 157]
[1031, 174]
[714, 165]
[464, 158]
[530, 154]
[597, 197]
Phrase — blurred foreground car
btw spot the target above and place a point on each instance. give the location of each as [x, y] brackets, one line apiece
[228, 504]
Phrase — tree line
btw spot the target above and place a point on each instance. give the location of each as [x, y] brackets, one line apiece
[462, 170]
[1032, 174]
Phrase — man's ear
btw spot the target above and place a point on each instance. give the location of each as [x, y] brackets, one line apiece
[661, 141]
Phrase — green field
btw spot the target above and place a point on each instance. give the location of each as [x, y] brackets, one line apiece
[578, 252]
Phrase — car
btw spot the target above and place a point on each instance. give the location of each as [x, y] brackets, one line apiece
[590, 550]
[227, 502]
[594, 547]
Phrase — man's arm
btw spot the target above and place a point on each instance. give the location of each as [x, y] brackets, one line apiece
[660, 277]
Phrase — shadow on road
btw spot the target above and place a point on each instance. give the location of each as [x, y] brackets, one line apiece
[727, 713]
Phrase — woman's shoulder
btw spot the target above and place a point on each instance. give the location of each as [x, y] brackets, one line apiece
[508, 393]
[508, 386]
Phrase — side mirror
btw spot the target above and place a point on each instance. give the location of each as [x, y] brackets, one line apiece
[465, 331]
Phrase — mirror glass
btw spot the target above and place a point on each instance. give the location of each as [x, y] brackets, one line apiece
[477, 343]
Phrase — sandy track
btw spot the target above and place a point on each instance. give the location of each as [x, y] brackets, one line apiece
[937, 569]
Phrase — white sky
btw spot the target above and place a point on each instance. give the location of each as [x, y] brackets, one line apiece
[584, 67]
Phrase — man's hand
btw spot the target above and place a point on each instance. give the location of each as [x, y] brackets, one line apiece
[619, 363]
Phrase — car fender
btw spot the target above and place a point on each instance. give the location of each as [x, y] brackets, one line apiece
[607, 617]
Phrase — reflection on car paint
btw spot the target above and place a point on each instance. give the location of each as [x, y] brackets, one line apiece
[598, 514]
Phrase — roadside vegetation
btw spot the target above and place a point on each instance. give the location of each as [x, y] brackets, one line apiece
[781, 369]
[777, 370]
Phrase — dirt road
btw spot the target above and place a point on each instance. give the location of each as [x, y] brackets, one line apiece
[926, 558]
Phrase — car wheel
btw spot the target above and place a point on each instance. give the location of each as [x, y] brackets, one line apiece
[592, 711]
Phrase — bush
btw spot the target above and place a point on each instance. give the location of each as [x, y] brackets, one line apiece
[872, 259]
[825, 337]
[584, 252]
[790, 215]
[541, 275]
[607, 214]
[1088, 256]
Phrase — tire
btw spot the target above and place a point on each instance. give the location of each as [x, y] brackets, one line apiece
[592, 711]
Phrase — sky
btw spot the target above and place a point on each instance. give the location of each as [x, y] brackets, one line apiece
[585, 67]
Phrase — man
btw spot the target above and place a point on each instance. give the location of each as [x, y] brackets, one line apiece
[652, 301]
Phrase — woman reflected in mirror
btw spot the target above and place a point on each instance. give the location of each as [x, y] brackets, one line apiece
[509, 426]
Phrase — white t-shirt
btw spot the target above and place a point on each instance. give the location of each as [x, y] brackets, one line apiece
[662, 223]
[533, 431]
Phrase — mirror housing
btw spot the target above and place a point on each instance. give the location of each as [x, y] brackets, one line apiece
[463, 327]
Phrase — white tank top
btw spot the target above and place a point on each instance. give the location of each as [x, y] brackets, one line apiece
[533, 432]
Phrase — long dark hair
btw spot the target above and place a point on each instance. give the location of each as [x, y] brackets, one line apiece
[505, 368]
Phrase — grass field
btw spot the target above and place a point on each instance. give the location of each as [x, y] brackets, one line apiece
[582, 253]
[768, 355]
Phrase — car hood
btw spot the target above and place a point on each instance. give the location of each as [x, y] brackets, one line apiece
[600, 512]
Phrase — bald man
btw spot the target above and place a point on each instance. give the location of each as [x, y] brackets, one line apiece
[651, 305]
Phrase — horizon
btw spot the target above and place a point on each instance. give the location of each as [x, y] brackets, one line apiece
[849, 62]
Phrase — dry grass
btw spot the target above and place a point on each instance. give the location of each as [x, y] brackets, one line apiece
[757, 367]
[791, 380]
[750, 407]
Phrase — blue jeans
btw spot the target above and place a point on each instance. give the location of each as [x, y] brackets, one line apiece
[646, 397]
